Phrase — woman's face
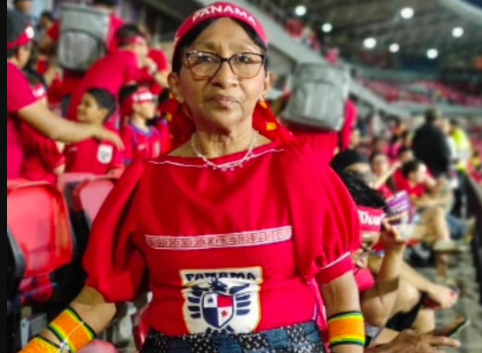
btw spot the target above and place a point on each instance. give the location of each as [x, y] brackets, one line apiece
[380, 165]
[225, 101]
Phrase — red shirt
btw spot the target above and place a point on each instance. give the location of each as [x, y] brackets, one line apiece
[402, 184]
[225, 250]
[92, 156]
[71, 80]
[351, 113]
[41, 156]
[19, 96]
[110, 73]
[140, 145]
[322, 143]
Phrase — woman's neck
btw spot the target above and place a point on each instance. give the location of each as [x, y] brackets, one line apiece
[218, 144]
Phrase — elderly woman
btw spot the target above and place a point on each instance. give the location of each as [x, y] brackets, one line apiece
[231, 227]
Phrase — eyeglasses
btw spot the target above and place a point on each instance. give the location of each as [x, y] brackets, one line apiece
[207, 65]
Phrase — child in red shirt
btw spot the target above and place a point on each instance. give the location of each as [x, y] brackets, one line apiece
[92, 156]
[138, 106]
[42, 159]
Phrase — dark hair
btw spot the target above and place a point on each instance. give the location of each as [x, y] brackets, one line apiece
[16, 25]
[128, 32]
[191, 37]
[104, 100]
[454, 123]
[411, 167]
[362, 194]
[48, 15]
[431, 116]
[403, 150]
[127, 91]
[345, 159]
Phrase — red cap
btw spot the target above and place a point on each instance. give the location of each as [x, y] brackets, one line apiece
[142, 95]
[25, 38]
[134, 40]
[219, 10]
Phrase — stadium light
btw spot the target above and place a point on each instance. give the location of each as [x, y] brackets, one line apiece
[300, 10]
[432, 54]
[327, 28]
[458, 32]
[394, 48]
[407, 13]
[370, 43]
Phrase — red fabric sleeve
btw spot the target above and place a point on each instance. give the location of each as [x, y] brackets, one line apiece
[160, 59]
[342, 225]
[50, 154]
[54, 32]
[325, 219]
[132, 71]
[114, 266]
[19, 93]
[351, 112]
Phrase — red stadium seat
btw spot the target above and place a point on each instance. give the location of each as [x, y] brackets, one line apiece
[38, 219]
[89, 196]
[67, 183]
[39, 244]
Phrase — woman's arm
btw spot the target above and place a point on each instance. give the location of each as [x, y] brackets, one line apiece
[92, 310]
[341, 296]
[58, 129]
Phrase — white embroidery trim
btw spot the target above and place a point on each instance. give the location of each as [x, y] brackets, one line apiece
[233, 240]
[334, 263]
[202, 166]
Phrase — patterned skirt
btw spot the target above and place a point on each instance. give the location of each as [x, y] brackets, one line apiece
[304, 338]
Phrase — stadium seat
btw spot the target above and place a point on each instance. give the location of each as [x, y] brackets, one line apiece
[89, 196]
[40, 243]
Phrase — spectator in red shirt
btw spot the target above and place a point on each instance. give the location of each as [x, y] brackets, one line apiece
[72, 79]
[415, 175]
[116, 70]
[405, 155]
[21, 104]
[91, 156]
[142, 141]
[155, 71]
[43, 159]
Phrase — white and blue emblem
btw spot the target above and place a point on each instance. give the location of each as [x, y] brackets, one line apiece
[222, 301]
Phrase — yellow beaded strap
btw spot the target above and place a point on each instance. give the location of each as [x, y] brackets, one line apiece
[72, 331]
[347, 329]
[41, 345]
